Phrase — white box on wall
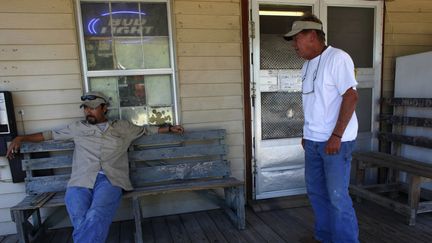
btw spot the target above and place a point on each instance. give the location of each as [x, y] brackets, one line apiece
[414, 80]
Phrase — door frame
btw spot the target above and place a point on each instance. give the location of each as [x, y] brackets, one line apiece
[249, 34]
[366, 77]
[254, 73]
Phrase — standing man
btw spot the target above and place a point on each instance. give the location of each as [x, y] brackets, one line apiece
[100, 168]
[329, 131]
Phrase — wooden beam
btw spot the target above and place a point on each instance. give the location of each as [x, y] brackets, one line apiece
[379, 159]
[381, 200]
[416, 102]
[184, 185]
[407, 121]
[380, 188]
[410, 140]
[425, 207]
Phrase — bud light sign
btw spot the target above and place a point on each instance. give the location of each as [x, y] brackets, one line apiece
[124, 19]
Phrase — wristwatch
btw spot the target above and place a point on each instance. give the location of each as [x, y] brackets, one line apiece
[168, 125]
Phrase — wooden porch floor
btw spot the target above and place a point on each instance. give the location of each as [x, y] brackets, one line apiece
[376, 224]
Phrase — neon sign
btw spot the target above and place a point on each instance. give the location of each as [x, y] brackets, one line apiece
[120, 23]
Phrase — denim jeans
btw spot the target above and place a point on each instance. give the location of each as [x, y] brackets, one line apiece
[327, 179]
[91, 210]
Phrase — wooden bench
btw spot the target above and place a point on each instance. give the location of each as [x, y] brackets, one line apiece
[162, 163]
[388, 193]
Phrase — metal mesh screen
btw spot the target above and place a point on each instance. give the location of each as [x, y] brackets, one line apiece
[282, 115]
[277, 53]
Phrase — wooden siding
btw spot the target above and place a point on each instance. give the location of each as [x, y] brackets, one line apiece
[39, 60]
[211, 103]
[208, 39]
[209, 76]
[38, 20]
[42, 6]
[408, 30]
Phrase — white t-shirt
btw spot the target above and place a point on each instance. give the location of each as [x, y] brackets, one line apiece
[321, 104]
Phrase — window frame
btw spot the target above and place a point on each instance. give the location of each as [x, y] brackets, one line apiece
[86, 74]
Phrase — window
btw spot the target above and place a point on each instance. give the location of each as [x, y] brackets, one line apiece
[352, 30]
[127, 54]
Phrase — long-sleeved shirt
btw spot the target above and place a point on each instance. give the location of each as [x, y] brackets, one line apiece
[100, 150]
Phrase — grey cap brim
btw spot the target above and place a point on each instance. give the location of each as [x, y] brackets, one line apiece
[299, 26]
[101, 99]
[93, 103]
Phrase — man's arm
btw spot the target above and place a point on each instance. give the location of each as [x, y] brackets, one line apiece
[16, 142]
[349, 102]
[170, 128]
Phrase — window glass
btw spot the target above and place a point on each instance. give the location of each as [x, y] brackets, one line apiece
[137, 115]
[363, 109]
[108, 86]
[159, 91]
[275, 51]
[352, 30]
[123, 36]
[140, 99]
[160, 115]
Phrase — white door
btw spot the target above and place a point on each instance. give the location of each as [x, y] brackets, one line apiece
[278, 168]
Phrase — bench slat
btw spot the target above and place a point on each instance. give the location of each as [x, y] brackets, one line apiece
[54, 162]
[47, 146]
[381, 200]
[33, 201]
[178, 152]
[410, 140]
[185, 185]
[140, 176]
[406, 120]
[397, 162]
[416, 102]
[56, 200]
[55, 183]
[191, 170]
[170, 138]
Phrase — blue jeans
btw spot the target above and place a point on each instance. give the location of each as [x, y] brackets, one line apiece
[91, 210]
[327, 179]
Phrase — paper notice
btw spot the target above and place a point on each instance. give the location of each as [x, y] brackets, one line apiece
[290, 80]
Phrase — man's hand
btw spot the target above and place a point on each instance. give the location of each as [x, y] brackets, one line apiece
[349, 102]
[16, 143]
[177, 129]
[333, 145]
[14, 147]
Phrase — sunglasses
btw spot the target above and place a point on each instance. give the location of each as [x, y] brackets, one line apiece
[91, 97]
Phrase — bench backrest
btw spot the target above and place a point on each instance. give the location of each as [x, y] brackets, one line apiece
[400, 120]
[153, 159]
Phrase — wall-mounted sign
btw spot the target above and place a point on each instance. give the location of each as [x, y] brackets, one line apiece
[287, 80]
[124, 19]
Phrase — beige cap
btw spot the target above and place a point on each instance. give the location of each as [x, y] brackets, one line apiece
[299, 26]
[93, 99]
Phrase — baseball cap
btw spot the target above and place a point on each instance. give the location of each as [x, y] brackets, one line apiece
[93, 99]
[299, 26]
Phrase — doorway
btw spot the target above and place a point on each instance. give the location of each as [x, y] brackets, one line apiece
[277, 113]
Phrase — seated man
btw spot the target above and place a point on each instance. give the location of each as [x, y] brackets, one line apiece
[100, 169]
